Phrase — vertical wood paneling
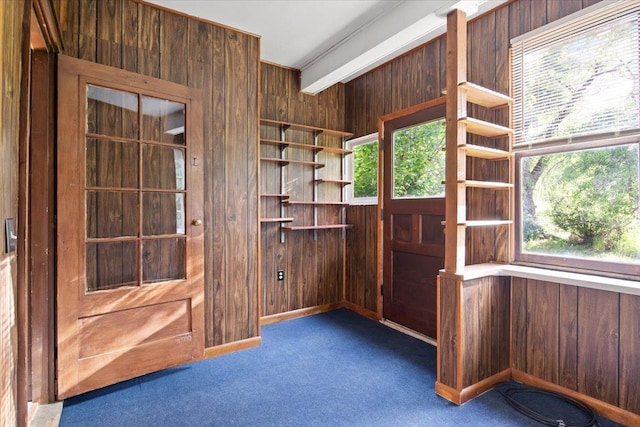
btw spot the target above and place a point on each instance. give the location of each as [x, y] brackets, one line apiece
[629, 351]
[448, 332]
[542, 330]
[568, 338]
[519, 323]
[313, 268]
[598, 313]
[224, 64]
[10, 57]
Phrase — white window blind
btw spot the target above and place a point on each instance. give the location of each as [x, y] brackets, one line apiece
[578, 76]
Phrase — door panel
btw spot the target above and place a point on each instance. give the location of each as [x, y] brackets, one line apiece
[130, 273]
[413, 211]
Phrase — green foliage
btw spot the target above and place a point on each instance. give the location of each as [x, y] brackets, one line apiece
[419, 160]
[586, 201]
[365, 170]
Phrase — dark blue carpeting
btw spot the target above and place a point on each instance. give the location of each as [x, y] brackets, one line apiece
[331, 369]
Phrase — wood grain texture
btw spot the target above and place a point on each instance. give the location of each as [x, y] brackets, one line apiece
[542, 341]
[12, 403]
[629, 350]
[313, 269]
[223, 64]
[449, 342]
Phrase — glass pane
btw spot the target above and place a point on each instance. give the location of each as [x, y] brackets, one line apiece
[163, 259]
[419, 161]
[582, 204]
[112, 112]
[111, 163]
[365, 170]
[163, 120]
[111, 214]
[111, 265]
[163, 213]
[163, 167]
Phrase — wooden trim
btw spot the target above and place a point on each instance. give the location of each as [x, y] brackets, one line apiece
[22, 257]
[362, 311]
[294, 314]
[408, 111]
[49, 29]
[41, 229]
[468, 393]
[610, 411]
[379, 219]
[232, 347]
[259, 220]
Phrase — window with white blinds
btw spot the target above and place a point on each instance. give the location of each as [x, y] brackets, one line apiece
[578, 76]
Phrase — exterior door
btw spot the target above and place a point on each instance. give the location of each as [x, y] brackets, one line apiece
[413, 211]
[129, 234]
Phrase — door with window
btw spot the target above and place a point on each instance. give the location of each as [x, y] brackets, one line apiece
[413, 211]
[129, 229]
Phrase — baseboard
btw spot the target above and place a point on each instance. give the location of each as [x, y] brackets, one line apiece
[308, 311]
[361, 310]
[468, 393]
[232, 347]
[608, 410]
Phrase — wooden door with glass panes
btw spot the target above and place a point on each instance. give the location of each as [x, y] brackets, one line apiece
[129, 227]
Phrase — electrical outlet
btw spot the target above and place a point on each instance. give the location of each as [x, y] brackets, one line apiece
[280, 274]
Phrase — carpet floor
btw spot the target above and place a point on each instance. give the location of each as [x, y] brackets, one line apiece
[330, 369]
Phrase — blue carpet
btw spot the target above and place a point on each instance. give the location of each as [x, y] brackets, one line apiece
[331, 369]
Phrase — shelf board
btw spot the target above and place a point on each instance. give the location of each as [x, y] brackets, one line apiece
[335, 150]
[291, 144]
[265, 220]
[332, 132]
[483, 223]
[317, 227]
[285, 162]
[487, 184]
[299, 202]
[332, 181]
[282, 196]
[486, 152]
[482, 128]
[485, 97]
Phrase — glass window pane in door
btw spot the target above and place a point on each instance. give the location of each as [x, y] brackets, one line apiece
[163, 167]
[111, 214]
[111, 112]
[111, 163]
[163, 259]
[111, 265]
[162, 213]
[419, 161]
[163, 120]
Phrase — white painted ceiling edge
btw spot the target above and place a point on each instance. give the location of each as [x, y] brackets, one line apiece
[355, 36]
[406, 26]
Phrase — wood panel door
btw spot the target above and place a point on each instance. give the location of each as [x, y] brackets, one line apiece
[413, 211]
[129, 229]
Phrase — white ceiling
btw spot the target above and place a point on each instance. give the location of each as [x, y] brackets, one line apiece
[331, 41]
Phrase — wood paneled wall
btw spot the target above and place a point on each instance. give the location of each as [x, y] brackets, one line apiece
[224, 64]
[11, 15]
[362, 257]
[419, 76]
[314, 270]
[582, 339]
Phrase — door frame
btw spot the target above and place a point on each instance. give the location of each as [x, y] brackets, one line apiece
[381, 190]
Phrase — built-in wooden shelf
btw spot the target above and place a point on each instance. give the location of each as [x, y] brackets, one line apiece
[486, 152]
[485, 97]
[300, 202]
[292, 144]
[276, 195]
[482, 128]
[482, 223]
[333, 181]
[487, 184]
[306, 128]
[265, 220]
[285, 162]
[317, 227]
[335, 150]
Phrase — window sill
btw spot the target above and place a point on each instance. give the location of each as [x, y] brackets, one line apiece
[576, 279]
[611, 284]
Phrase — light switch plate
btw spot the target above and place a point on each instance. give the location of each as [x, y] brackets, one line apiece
[10, 235]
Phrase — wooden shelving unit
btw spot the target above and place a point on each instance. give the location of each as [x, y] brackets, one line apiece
[285, 144]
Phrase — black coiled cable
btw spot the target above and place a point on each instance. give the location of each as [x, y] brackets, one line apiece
[508, 391]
